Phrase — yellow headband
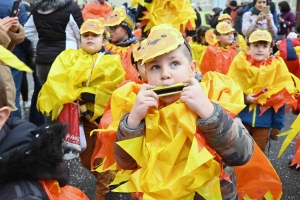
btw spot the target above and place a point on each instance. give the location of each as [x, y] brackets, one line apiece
[138, 50]
[117, 17]
[162, 39]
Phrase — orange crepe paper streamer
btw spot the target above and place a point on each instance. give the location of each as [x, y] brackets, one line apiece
[258, 177]
[55, 192]
[296, 159]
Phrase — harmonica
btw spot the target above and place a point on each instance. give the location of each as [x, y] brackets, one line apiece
[167, 90]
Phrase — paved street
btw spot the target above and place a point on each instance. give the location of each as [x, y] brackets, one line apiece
[290, 178]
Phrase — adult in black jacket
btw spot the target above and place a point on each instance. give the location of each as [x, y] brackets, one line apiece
[213, 20]
[53, 27]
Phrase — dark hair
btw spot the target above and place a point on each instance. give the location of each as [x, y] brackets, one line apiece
[200, 31]
[3, 97]
[284, 6]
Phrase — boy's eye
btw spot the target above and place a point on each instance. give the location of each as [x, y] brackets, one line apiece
[155, 67]
[175, 64]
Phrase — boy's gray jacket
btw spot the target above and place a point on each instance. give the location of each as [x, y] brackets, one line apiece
[228, 137]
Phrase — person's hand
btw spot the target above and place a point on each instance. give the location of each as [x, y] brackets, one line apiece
[5, 24]
[250, 99]
[144, 100]
[281, 20]
[278, 43]
[194, 97]
[268, 18]
[15, 24]
[261, 16]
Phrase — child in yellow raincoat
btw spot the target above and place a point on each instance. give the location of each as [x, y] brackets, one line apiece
[157, 137]
[258, 73]
[218, 57]
[89, 76]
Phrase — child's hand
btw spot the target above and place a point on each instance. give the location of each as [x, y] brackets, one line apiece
[250, 99]
[144, 100]
[278, 43]
[194, 97]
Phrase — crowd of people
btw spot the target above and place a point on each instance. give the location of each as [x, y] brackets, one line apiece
[149, 99]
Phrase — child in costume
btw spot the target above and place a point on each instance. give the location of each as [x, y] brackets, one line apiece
[31, 159]
[258, 73]
[120, 25]
[239, 40]
[89, 76]
[204, 37]
[161, 130]
[218, 57]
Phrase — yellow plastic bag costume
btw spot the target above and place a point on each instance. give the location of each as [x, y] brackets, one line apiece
[68, 77]
[198, 51]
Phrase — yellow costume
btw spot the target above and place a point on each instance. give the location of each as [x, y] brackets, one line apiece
[198, 51]
[68, 77]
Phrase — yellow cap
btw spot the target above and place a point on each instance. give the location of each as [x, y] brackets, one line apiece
[260, 35]
[224, 16]
[224, 28]
[162, 39]
[138, 50]
[92, 25]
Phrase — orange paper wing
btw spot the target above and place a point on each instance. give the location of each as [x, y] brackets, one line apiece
[54, 192]
[258, 177]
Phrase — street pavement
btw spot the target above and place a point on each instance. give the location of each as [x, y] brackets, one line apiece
[290, 177]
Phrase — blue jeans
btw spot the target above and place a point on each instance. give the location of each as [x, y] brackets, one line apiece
[17, 76]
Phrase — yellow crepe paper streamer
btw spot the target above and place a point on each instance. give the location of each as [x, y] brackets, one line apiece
[291, 134]
[13, 61]
[178, 13]
[68, 77]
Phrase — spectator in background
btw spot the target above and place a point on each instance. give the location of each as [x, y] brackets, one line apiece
[238, 20]
[298, 28]
[96, 9]
[255, 19]
[287, 19]
[272, 9]
[234, 8]
[18, 50]
[197, 21]
[213, 19]
[52, 28]
[227, 9]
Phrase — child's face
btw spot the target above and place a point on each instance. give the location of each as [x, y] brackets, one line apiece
[142, 71]
[91, 42]
[225, 39]
[259, 51]
[170, 68]
[117, 33]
